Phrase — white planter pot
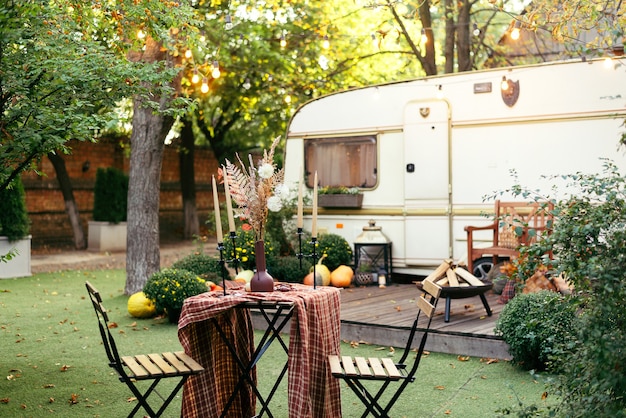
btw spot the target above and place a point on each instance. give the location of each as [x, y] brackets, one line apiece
[106, 236]
[18, 266]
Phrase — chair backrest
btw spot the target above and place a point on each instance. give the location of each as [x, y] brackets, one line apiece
[427, 304]
[105, 328]
[521, 223]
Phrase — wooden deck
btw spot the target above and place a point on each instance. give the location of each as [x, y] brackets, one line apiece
[383, 316]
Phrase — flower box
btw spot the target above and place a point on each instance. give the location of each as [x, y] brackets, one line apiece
[340, 200]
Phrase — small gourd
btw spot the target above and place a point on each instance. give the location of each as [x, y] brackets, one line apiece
[139, 306]
[341, 276]
[322, 275]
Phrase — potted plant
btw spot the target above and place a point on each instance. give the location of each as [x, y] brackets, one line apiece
[365, 273]
[107, 230]
[340, 197]
[169, 288]
[14, 227]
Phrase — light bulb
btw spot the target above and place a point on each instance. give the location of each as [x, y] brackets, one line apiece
[246, 84]
[141, 34]
[283, 41]
[476, 31]
[228, 22]
[205, 85]
[326, 42]
[424, 37]
[608, 62]
[287, 99]
[515, 31]
[195, 77]
[216, 70]
[505, 84]
[188, 53]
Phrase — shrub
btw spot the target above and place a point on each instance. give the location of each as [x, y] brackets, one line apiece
[169, 288]
[589, 242]
[244, 245]
[337, 250]
[538, 327]
[13, 214]
[206, 266]
[287, 269]
[110, 195]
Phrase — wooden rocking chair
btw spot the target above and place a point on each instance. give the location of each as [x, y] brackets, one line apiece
[515, 224]
[131, 369]
[384, 370]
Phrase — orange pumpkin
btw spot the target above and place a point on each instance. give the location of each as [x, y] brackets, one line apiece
[341, 276]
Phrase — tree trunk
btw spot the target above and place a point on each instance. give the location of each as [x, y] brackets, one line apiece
[147, 142]
[428, 63]
[70, 203]
[448, 49]
[463, 35]
[191, 225]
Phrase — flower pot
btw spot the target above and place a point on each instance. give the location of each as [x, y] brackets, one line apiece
[340, 200]
[19, 265]
[261, 281]
[106, 236]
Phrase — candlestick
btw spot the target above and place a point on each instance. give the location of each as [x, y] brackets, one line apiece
[314, 220]
[229, 205]
[216, 204]
[300, 209]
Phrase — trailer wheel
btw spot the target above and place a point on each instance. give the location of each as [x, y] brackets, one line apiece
[482, 267]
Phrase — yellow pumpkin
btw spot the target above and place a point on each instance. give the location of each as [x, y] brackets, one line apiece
[139, 306]
[322, 275]
[341, 276]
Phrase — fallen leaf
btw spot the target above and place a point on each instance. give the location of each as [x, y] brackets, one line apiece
[398, 308]
[112, 325]
[483, 377]
[73, 399]
[447, 412]
[48, 386]
[23, 406]
[463, 358]
[544, 396]
[4, 400]
[64, 368]
[134, 324]
[50, 400]
[440, 387]
[131, 399]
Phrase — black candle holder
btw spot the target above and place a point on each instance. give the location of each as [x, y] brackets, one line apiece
[313, 254]
[233, 261]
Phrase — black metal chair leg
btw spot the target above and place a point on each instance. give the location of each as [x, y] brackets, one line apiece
[447, 313]
[485, 304]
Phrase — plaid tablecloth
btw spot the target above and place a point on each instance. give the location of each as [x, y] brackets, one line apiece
[314, 334]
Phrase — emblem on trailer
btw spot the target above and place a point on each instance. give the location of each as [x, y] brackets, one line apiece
[510, 91]
[424, 111]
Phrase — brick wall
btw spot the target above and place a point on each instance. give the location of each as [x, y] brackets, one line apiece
[50, 225]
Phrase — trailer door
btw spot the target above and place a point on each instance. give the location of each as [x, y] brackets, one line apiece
[427, 182]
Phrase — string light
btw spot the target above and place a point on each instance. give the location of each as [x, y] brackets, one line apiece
[424, 37]
[326, 42]
[205, 85]
[188, 53]
[246, 84]
[283, 41]
[505, 83]
[608, 62]
[141, 34]
[195, 77]
[215, 73]
[476, 31]
[228, 22]
[515, 32]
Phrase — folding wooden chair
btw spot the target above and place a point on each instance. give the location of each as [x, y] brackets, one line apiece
[131, 369]
[358, 371]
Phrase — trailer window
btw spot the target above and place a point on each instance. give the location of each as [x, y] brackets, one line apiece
[343, 161]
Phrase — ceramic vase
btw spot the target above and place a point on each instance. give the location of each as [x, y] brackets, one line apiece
[261, 281]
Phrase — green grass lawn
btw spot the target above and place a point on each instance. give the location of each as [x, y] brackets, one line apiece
[54, 364]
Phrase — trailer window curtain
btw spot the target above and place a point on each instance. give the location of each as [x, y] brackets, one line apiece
[342, 161]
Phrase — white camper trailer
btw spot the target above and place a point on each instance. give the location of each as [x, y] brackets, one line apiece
[426, 152]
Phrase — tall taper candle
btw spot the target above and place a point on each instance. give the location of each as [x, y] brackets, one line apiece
[314, 221]
[300, 209]
[229, 205]
[216, 204]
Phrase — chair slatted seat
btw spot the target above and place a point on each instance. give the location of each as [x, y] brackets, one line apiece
[354, 371]
[153, 366]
